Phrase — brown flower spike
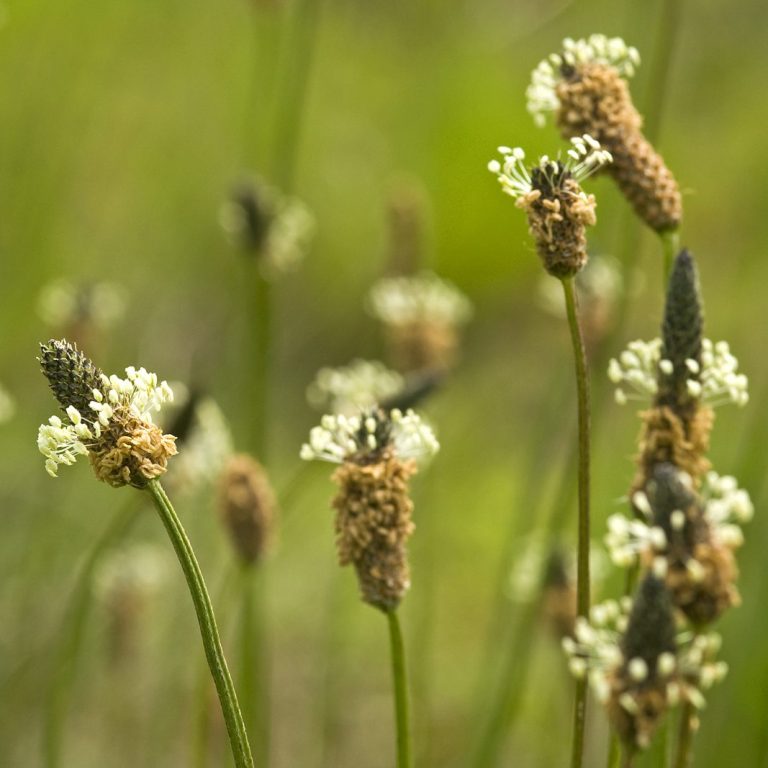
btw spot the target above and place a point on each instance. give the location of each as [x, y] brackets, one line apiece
[558, 210]
[247, 506]
[585, 87]
[373, 507]
[105, 417]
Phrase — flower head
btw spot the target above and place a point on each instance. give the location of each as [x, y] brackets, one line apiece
[107, 418]
[366, 438]
[355, 387]
[608, 51]
[558, 210]
[261, 220]
[638, 664]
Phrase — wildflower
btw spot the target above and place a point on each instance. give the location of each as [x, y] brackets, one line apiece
[376, 451]
[421, 314]
[638, 664]
[558, 209]
[354, 387]
[107, 418]
[684, 374]
[276, 229]
[247, 506]
[585, 87]
[689, 536]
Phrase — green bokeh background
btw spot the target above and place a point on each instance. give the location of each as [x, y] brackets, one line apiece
[123, 127]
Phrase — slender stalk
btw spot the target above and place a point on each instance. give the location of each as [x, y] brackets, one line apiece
[582, 567]
[400, 683]
[627, 758]
[202, 725]
[253, 667]
[296, 65]
[670, 243]
[71, 636]
[238, 737]
[685, 737]
[259, 343]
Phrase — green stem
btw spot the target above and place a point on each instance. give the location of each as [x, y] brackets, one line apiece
[259, 336]
[202, 725]
[614, 752]
[400, 683]
[685, 737]
[253, 667]
[71, 636]
[670, 243]
[582, 569]
[628, 758]
[210, 635]
[296, 65]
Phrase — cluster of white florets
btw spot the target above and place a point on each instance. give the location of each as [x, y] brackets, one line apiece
[726, 508]
[611, 51]
[61, 441]
[595, 653]
[422, 298]
[289, 236]
[352, 388]
[339, 438]
[581, 161]
[715, 382]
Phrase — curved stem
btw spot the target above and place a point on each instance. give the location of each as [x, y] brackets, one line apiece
[71, 636]
[685, 737]
[209, 632]
[582, 572]
[400, 683]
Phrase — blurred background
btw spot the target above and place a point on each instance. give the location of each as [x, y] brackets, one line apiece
[124, 128]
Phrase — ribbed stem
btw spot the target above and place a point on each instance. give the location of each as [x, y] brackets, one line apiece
[214, 654]
[582, 570]
[400, 684]
[71, 636]
[685, 737]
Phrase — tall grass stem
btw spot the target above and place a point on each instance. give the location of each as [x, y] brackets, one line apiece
[209, 632]
[582, 560]
[400, 684]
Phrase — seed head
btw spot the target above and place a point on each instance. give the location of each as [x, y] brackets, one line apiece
[558, 210]
[247, 506]
[585, 87]
[107, 418]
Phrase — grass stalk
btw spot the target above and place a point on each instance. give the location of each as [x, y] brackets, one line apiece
[71, 636]
[582, 561]
[670, 243]
[238, 736]
[253, 667]
[400, 684]
[259, 376]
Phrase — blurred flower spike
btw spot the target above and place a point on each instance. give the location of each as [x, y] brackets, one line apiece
[107, 418]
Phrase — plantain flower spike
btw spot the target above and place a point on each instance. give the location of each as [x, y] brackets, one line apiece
[585, 87]
[558, 210]
[107, 418]
[247, 506]
[638, 664]
[377, 452]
